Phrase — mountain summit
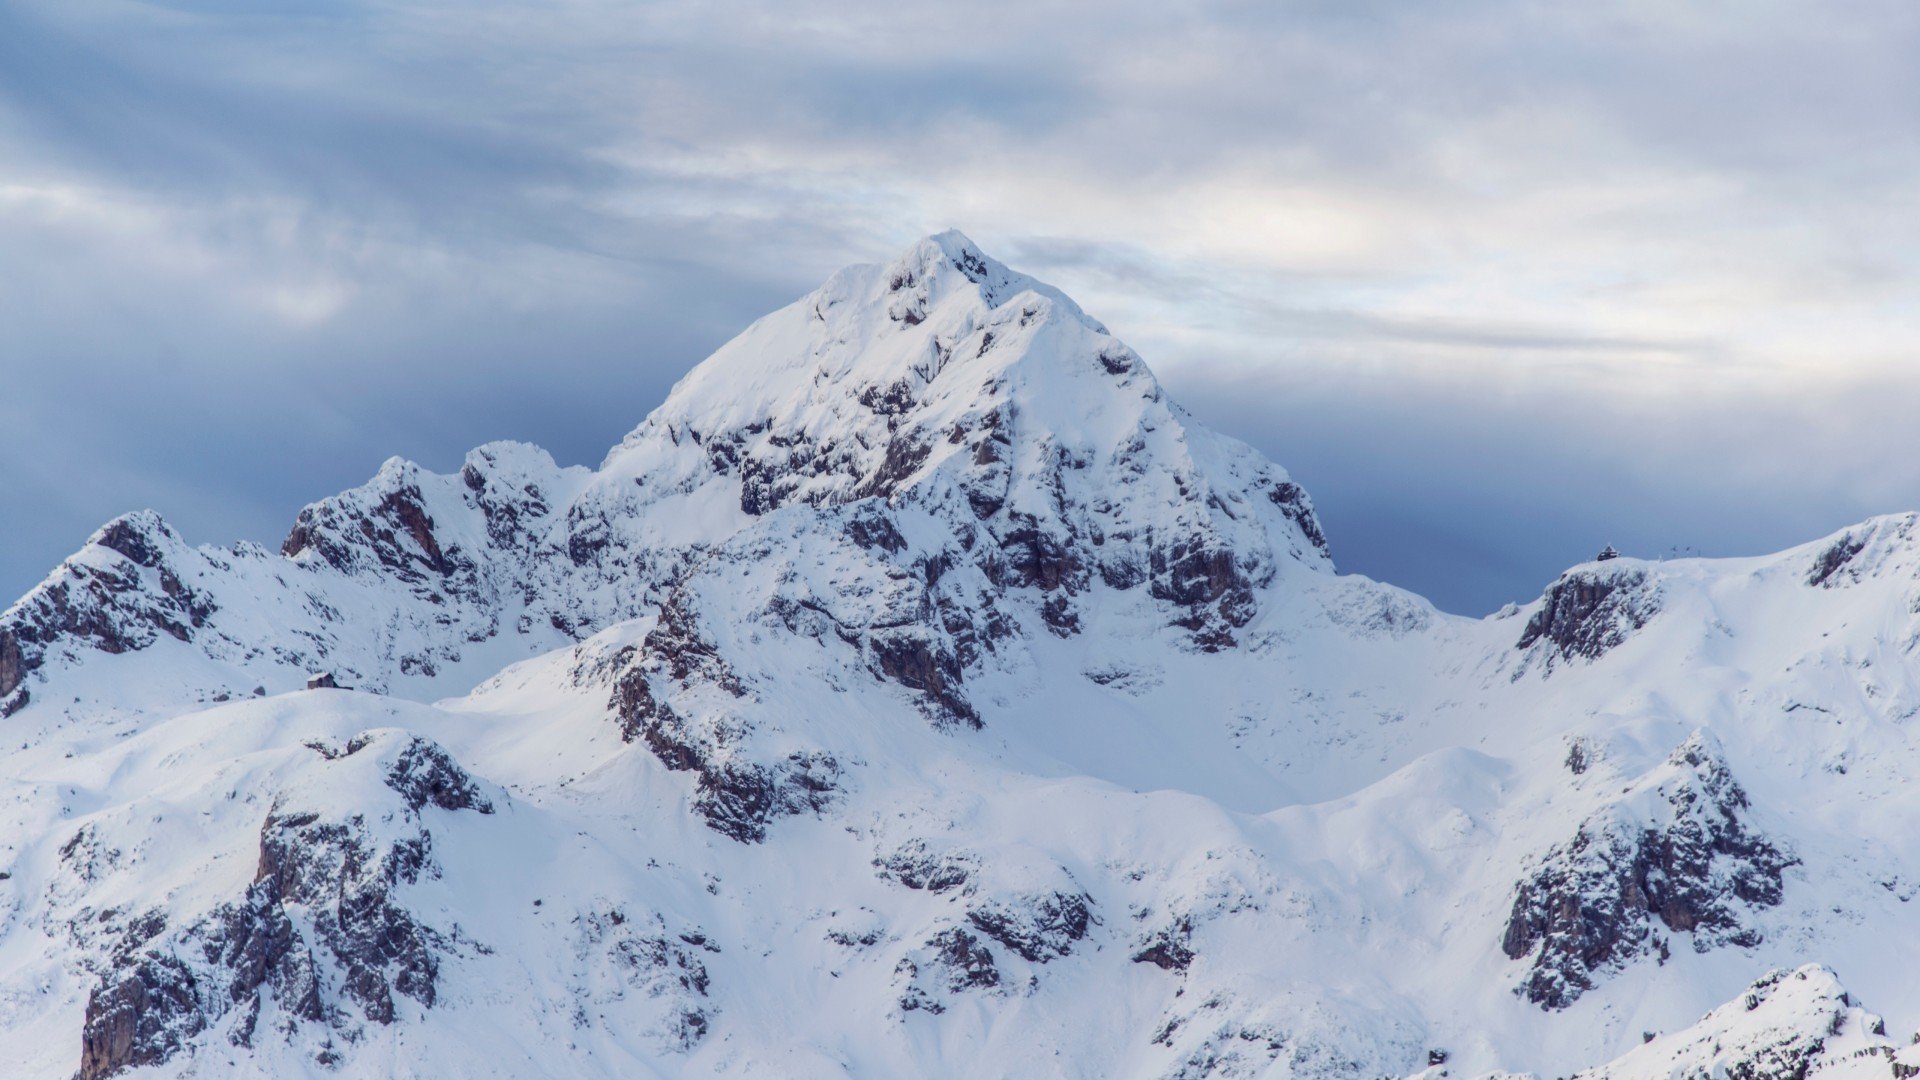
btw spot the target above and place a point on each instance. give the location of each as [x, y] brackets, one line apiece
[918, 691]
[942, 382]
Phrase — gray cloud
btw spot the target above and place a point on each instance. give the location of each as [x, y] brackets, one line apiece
[1500, 282]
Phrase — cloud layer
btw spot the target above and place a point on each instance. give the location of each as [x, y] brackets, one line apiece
[1500, 282]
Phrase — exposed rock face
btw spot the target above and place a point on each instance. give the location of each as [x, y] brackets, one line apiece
[1039, 927]
[467, 556]
[141, 1020]
[915, 658]
[323, 896]
[1169, 948]
[735, 794]
[953, 961]
[13, 672]
[1293, 502]
[483, 532]
[1863, 551]
[1036, 925]
[893, 614]
[1590, 611]
[917, 866]
[120, 593]
[423, 775]
[1673, 852]
[330, 868]
[397, 533]
[1835, 558]
[159, 999]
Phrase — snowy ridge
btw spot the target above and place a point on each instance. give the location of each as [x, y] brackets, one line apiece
[918, 690]
[1788, 1023]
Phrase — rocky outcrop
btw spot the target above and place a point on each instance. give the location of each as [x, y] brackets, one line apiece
[13, 672]
[951, 962]
[917, 865]
[1170, 948]
[1590, 611]
[159, 1000]
[918, 659]
[396, 532]
[347, 882]
[324, 896]
[1865, 550]
[142, 1019]
[893, 614]
[1674, 853]
[1037, 926]
[1294, 504]
[127, 588]
[1833, 559]
[423, 775]
[465, 536]
[736, 795]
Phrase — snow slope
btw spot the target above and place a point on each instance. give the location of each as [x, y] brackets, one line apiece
[918, 690]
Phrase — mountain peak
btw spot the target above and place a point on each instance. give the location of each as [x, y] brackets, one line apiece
[1034, 691]
[935, 261]
[941, 320]
[976, 403]
[141, 536]
[956, 244]
[946, 382]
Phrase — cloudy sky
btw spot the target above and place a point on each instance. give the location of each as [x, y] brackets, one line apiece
[1499, 282]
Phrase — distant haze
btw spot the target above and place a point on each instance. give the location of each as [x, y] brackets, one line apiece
[1499, 283]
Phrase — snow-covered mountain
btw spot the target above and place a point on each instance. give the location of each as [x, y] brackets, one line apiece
[919, 691]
